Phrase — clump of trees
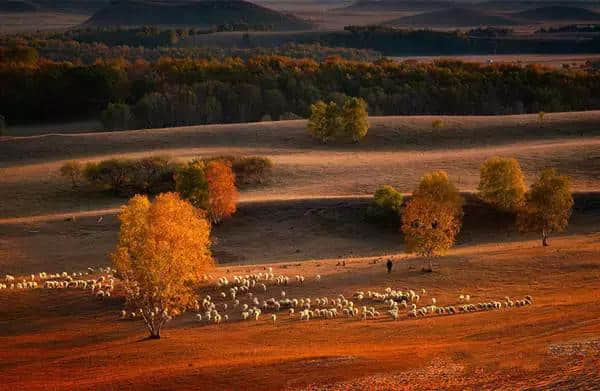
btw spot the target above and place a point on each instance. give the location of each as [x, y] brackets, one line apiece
[329, 122]
[432, 217]
[126, 177]
[386, 206]
[210, 186]
[162, 252]
[154, 174]
[548, 205]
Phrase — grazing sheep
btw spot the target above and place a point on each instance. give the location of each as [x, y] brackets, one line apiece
[318, 277]
[304, 315]
[199, 317]
[273, 318]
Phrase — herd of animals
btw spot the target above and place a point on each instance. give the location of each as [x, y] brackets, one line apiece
[245, 297]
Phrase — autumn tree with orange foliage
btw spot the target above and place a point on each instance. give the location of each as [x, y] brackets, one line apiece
[162, 252]
[431, 219]
[222, 193]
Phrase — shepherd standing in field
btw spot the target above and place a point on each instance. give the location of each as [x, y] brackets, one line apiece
[389, 265]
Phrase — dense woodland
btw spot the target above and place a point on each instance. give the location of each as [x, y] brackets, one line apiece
[172, 92]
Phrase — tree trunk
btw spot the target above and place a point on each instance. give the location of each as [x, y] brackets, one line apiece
[429, 267]
[544, 238]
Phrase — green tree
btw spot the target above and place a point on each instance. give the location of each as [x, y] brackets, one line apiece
[355, 119]
[325, 121]
[191, 184]
[386, 205]
[502, 183]
[548, 205]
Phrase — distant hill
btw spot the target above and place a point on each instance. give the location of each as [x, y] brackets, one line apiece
[558, 13]
[455, 17]
[18, 6]
[399, 5]
[192, 13]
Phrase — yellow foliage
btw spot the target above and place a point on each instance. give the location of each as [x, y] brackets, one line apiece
[437, 186]
[163, 250]
[429, 228]
[548, 205]
[432, 218]
[502, 183]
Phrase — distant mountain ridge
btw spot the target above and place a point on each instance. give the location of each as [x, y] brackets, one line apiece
[192, 13]
[557, 13]
[455, 17]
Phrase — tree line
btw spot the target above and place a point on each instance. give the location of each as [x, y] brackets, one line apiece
[171, 92]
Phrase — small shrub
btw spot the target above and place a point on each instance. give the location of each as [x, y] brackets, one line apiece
[541, 116]
[252, 170]
[437, 124]
[73, 171]
[386, 206]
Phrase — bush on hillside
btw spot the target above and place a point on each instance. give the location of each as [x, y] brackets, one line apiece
[72, 170]
[125, 177]
[386, 206]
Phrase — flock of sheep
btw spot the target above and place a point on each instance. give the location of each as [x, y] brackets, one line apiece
[102, 286]
[242, 294]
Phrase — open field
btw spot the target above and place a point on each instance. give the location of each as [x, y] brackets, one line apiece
[548, 60]
[32, 21]
[306, 221]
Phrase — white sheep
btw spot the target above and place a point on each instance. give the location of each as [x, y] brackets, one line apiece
[273, 318]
